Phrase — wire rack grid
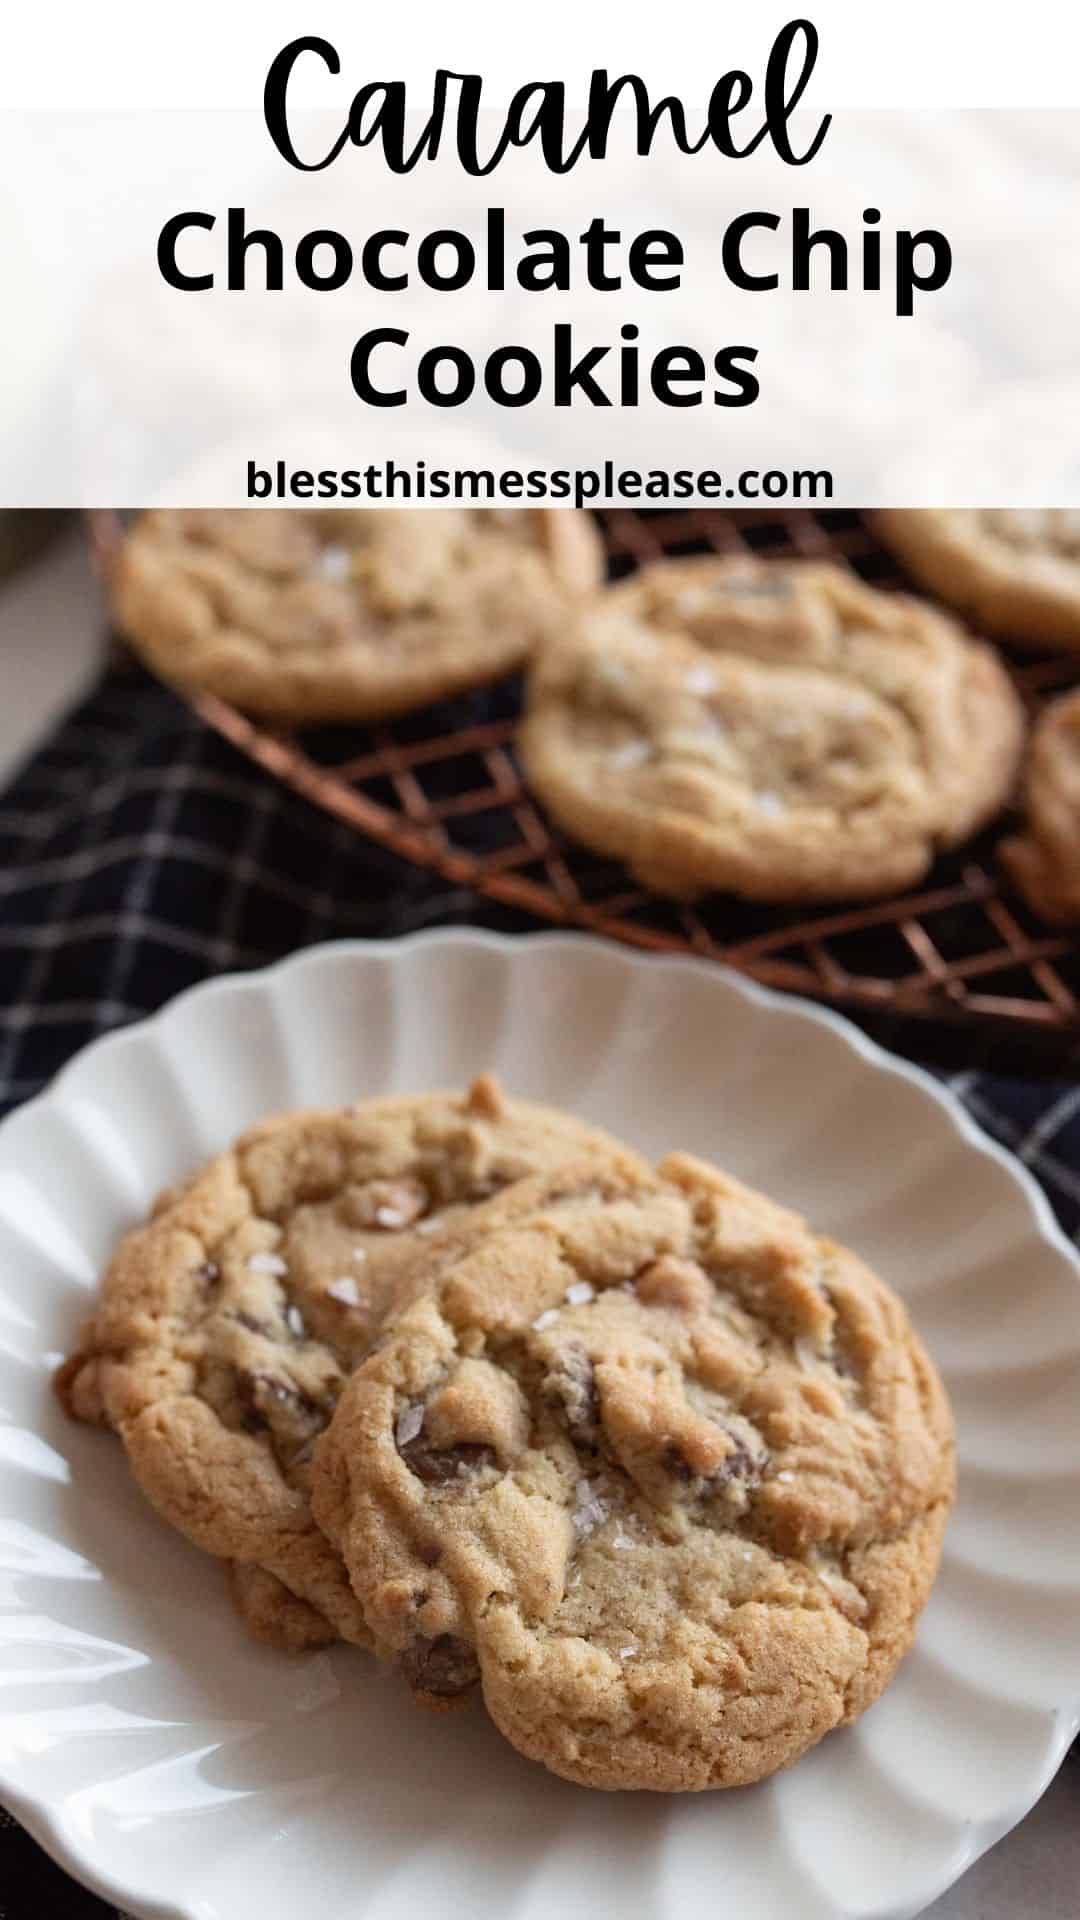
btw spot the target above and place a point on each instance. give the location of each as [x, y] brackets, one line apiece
[443, 789]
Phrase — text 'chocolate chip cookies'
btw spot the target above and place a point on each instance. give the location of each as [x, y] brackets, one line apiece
[663, 1472]
[778, 730]
[343, 615]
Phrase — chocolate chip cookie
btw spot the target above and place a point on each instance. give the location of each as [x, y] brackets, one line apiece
[779, 730]
[660, 1470]
[227, 1325]
[1017, 573]
[1044, 860]
[339, 615]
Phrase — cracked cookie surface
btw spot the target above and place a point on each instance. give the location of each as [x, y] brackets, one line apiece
[1016, 572]
[662, 1471]
[226, 1326]
[348, 615]
[1044, 860]
[776, 729]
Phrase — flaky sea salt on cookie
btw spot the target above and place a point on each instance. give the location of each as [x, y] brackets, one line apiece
[227, 1325]
[674, 1499]
[348, 615]
[777, 730]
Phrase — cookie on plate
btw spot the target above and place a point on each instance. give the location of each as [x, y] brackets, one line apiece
[273, 1614]
[347, 615]
[227, 1325]
[1016, 572]
[663, 1472]
[1044, 860]
[779, 730]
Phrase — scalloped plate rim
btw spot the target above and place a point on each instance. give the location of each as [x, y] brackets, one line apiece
[47, 1825]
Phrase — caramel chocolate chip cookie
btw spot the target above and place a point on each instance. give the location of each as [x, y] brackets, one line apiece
[227, 1326]
[1044, 860]
[662, 1472]
[1016, 572]
[339, 615]
[779, 730]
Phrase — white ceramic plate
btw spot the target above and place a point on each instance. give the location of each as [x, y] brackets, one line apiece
[181, 1770]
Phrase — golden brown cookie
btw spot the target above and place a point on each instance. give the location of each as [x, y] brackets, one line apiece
[1044, 860]
[1015, 572]
[348, 615]
[662, 1471]
[274, 1615]
[779, 730]
[227, 1325]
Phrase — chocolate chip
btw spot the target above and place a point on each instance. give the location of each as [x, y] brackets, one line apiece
[570, 1387]
[678, 1466]
[739, 1467]
[438, 1466]
[445, 1666]
[740, 1464]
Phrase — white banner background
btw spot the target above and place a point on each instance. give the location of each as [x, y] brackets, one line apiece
[117, 389]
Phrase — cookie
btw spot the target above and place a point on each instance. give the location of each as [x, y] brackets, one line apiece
[274, 1615]
[779, 730]
[660, 1470]
[1016, 573]
[1044, 861]
[227, 1325]
[339, 615]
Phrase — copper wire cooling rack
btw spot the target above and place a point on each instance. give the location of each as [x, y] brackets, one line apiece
[443, 789]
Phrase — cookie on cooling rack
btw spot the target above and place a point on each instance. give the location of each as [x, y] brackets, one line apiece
[347, 615]
[227, 1325]
[663, 1472]
[1017, 573]
[1044, 860]
[776, 729]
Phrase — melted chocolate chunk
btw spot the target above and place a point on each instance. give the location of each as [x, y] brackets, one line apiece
[438, 1467]
[445, 1667]
[739, 1467]
[678, 1466]
[570, 1388]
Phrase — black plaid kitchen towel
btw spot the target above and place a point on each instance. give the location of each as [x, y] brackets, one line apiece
[140, 853]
